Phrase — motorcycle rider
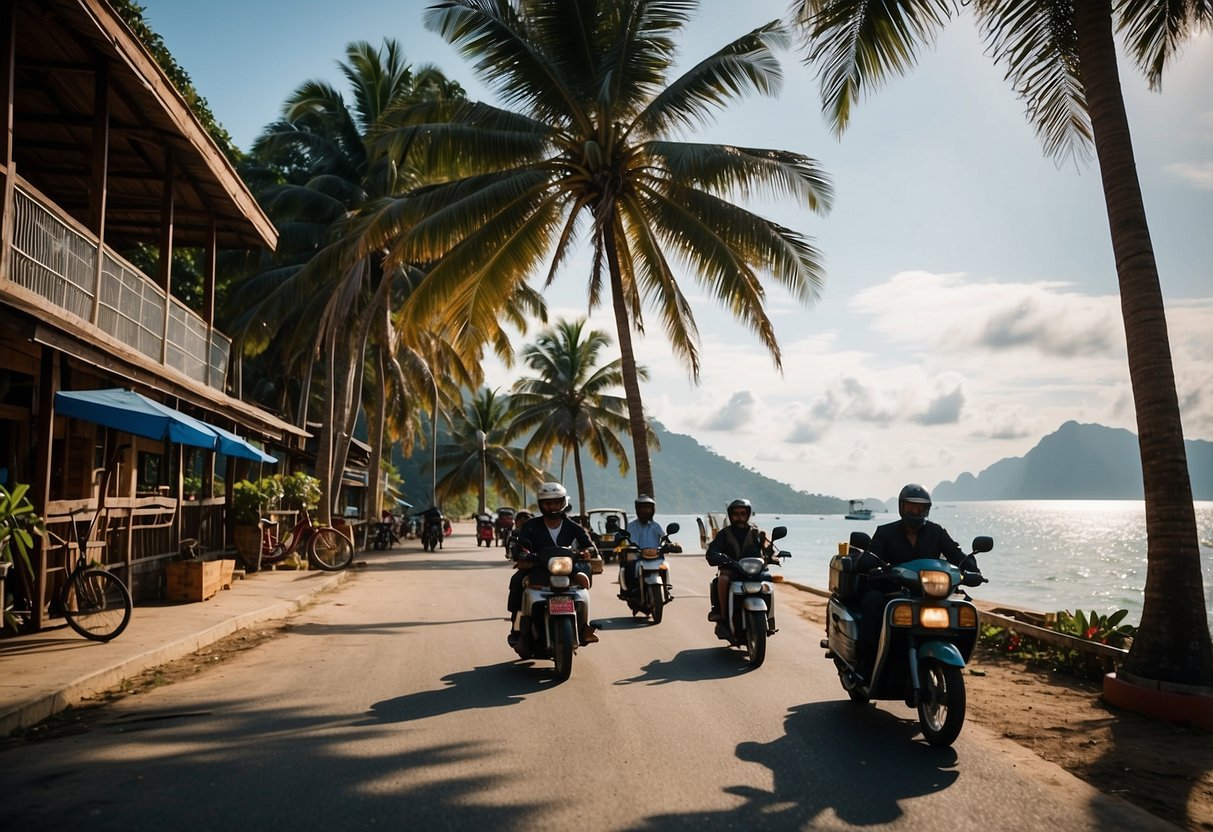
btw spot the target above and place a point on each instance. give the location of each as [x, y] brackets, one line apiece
[910, 538]
[550, 528]
[736, 540]
[430, 517]
[645, 533]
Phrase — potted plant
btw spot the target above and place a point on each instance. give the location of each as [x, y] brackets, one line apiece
[250, 501]
[18, 525]
[300, 491]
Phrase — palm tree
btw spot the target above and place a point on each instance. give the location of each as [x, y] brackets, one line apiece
[326, 291]
[567, 402]
[479, 454]
[593, 151]
[1061, 58]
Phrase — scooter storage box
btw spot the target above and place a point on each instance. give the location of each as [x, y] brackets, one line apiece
[845, 578]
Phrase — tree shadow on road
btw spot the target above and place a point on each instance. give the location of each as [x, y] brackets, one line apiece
[487, 686]
[856, 763]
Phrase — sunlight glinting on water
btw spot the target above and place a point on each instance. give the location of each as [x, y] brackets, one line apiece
[1048, 555]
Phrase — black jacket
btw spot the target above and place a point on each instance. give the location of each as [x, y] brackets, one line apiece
[732, 543]
[535, 537]
[891, 544]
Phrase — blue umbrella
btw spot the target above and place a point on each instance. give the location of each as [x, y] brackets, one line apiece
[128, 411]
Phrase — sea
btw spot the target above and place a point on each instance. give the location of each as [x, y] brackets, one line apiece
[1049, 555]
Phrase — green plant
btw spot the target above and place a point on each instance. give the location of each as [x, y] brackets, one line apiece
[299, 490]
[18, 525]
[1106, 629]
[250, 501]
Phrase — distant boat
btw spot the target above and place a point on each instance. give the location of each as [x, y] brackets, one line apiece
[858, 511]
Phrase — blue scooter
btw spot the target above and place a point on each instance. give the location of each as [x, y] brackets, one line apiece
[927, 634]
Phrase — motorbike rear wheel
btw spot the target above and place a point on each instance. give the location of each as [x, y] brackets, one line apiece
[941, 702]
[656, 601]
[563, 636]
[756, 636]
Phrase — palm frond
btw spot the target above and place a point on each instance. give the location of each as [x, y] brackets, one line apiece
[1155, 31]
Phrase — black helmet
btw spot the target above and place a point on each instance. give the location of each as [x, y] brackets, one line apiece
[916, 494]
[741, 503]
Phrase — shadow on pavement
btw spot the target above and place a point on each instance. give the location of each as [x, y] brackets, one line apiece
[855, 763]
[691, 666]
[381, 628]
[487, 686]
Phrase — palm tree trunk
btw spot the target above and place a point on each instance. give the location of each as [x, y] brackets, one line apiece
[581, 507]
[1173, 644]
[631, 384]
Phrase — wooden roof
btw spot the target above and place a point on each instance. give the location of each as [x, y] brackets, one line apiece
[61, 46]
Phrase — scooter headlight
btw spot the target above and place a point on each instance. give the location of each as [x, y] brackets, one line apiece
[562, 565]
[935, 618]
[935, 584]
[751, 566]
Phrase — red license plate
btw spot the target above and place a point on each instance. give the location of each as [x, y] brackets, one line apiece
[561, 605]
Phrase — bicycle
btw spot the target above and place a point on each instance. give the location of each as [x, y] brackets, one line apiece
[94, 601]
[327, 549]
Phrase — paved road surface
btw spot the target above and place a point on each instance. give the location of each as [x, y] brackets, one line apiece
[394, 703]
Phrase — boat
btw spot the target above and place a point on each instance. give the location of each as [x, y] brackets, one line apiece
[858, 511]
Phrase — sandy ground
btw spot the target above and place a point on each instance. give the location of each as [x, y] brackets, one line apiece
[1165, 769]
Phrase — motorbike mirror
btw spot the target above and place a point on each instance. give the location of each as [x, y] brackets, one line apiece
[860, 540]
[672, 528]
[983, 544]
[778, 532]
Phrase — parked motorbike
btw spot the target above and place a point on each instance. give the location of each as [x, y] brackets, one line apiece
[555, 606]
[927, 634]
[383, 535]
[646, 575]
[750, 616]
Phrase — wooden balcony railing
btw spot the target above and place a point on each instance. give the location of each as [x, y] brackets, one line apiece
[56, 259]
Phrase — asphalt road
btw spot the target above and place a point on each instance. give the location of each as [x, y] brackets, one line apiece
[395, 703]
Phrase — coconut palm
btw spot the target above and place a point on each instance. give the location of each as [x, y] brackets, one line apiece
[592, 151]
[330, 293]
[480, 454]
[1061, 58]
[568, 403]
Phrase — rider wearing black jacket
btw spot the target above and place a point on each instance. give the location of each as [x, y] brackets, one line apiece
[910, 538]
[550, 528]
[737, 540]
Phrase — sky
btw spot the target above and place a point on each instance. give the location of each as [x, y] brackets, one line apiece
[970, 304]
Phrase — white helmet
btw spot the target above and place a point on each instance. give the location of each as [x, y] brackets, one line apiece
[552, 491]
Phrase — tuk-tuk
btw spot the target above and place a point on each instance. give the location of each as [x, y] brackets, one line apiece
[484, 530]
[604, 524]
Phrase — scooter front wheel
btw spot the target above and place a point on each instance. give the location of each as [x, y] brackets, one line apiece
[562, 646]
[756, 636]
[941, 702]
[656, 602]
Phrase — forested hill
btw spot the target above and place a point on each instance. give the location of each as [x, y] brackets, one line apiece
[1076, 462]
[689, 478]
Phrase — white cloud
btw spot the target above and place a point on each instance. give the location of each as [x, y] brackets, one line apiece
[736, 415]
[1199, 175]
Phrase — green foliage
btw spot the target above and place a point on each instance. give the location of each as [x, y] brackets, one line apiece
[18, 524]
[251, 500]
[299, 490]
[193, 487]
[1105, 629]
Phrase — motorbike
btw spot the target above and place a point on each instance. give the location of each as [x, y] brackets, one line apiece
[646, 575]
[484, 530]
[431, 536]
[927, 633]
[383, 535]
[555, 606]
[750, 615]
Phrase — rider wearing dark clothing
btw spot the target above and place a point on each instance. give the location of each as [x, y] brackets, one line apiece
[550, 528]
[737, 540]
[910, 538]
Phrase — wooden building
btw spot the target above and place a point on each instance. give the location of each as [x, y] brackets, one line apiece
[100, 155]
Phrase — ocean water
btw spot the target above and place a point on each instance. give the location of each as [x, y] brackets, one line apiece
[1048, 555]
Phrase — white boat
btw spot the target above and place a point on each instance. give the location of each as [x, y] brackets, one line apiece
[858, 511]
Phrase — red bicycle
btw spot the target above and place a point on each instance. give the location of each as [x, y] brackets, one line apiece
[326, 547]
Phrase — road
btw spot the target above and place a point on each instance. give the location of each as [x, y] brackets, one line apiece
[395, 703]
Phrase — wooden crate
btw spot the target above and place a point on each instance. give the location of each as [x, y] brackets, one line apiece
[192, 580]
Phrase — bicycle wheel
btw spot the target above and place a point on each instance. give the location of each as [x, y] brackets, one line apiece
[330, 550]
[97, 604]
